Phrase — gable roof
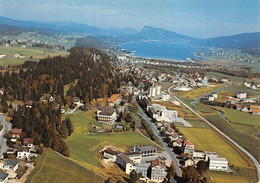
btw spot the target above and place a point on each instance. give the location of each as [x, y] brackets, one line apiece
[15, 130]
[158, 162]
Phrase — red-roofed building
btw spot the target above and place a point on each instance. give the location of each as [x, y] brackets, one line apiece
[15, 134]
[28, 142]
[189, 147]
[114, 99]
[254, 107]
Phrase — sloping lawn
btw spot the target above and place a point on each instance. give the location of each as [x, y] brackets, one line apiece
[52, 167]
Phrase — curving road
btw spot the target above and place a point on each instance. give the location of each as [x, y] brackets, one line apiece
[257, 165]
[6, 128]
[169, 151]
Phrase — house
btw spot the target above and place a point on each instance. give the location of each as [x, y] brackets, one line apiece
[254, 107]
[153, 113]
[29, 103]
[255, 111]
[145, 150]
[224, 80]
[106, 114]
[125, 163]
[2, 91]
[23, 152]
[114, 99]
[15, 134]
[239, 107]
[17, 55]
[215, 95]
[158, 170]
[3, 56]
[177, 143]
[28, 142]
[241, 95]
[47, 97]
[110, 154]
[189, 147]
[11, 151]
[3, 177]
[187, 161]
[76, 100]
[218, 163]
[211, 98]
[11, 165]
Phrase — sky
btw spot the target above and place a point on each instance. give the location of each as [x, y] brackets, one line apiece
[197, 18]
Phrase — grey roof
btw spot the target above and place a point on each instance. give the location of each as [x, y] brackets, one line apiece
[3, 175]
[11, 162]
[144, 148]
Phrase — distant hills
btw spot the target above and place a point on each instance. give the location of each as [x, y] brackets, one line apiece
[249, 42]
[63, 27]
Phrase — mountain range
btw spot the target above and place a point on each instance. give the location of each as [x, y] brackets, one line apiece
[115, 36]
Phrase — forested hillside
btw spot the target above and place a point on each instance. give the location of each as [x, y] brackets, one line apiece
[94, 74]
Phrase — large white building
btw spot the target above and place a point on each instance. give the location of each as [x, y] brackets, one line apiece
[160, 112]
[171, 114]
[155, 91]
[241, 95]
[218, 163]
[158, 170]
[146, 150]
[106, 114]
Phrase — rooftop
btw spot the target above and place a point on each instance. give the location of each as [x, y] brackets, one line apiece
[106, 110]
[11, 162]
[110, 151]
[143, 148]
[3, 175]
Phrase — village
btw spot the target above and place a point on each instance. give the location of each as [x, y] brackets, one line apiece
[143, 104]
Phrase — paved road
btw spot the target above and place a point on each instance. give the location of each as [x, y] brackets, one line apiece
[6, 128]
[169, 151]
[257, 165]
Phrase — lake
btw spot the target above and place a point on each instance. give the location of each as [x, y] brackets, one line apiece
[159, 50]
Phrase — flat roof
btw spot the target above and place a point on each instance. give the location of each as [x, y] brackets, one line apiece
[143, 148]
[218, 159]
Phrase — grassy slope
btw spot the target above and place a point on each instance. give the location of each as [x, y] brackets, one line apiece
[52, 167]
[84, 148]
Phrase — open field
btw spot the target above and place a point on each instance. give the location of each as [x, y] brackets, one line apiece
[208, 140]
[232, 78]
[241, 117]
[36, 53]
[199, 92]
[238, 132]
[234, 89]
[222, 177]
[84, 148]
[52, 167]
